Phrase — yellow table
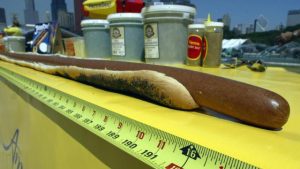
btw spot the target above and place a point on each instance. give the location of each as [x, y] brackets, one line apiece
[46, 141]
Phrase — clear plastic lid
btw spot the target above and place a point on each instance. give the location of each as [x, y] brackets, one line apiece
[94, 22]
[214, 24]
[169, 8]
[14, 38]
[196, 26]
[125, 16]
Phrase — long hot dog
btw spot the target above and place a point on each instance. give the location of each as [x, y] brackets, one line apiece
[257, 106]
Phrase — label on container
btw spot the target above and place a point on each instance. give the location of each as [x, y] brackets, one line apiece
[117, 41]
[151, 40]
[194, 47]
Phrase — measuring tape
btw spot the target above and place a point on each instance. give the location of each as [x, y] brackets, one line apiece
[154, 147]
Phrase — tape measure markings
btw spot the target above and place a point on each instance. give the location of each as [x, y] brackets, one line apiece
[48, 100]
[154, 147]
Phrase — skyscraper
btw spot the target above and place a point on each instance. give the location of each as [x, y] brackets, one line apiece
[293, 18]
[78, 14]
[226, 20]
[2, 15]
[57, 5]
[250, 29]
[2, 19]
[30, 14]
[66, 20]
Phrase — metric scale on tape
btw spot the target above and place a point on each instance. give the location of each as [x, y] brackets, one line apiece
[154, 147]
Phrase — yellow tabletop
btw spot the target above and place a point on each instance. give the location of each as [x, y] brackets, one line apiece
[259, 147]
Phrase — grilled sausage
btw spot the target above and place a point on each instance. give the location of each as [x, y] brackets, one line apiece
[256, 106]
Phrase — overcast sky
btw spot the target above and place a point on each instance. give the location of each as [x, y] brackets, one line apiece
[241, 11]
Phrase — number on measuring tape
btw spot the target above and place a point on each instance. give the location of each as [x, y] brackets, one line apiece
[99, 127]
[161, 144]
[113, 135]
[129, 144]
[120, 125]
[140, 134]
[77, 116]
[87, 121]
[105, 119]
[149, 154]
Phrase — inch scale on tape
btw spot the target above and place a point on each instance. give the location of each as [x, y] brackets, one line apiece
[154, 147]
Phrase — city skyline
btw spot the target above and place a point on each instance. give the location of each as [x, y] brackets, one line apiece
[30, 14]
[56, 6]
[42, 6]
[246, 11]
[240, 12]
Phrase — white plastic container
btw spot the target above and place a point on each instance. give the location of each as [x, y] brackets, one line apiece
[127, 39]
[96, 38]
[166, 32]
[14, 43]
